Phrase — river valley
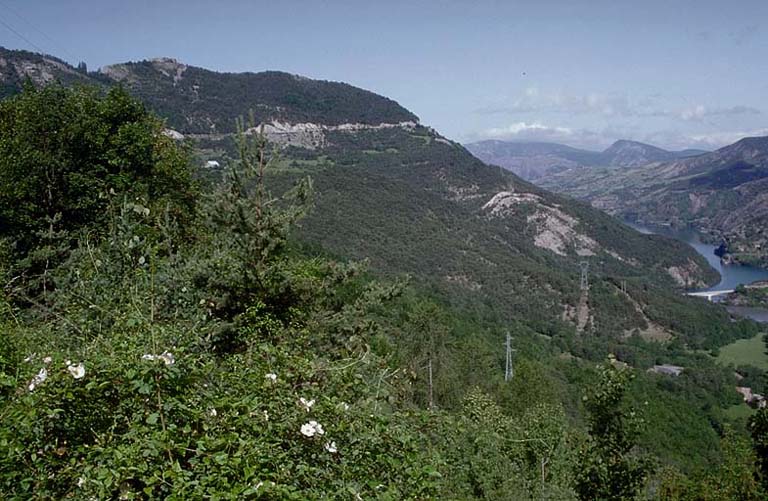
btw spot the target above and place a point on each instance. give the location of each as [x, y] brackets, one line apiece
[731, 275]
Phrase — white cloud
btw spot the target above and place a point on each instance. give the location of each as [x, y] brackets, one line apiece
[700, 112]
[524, 128]
[600, 139]
[534, 100]
[676, 140]
[720, 139]
[537, 131]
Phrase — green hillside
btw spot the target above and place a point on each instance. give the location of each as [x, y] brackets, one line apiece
[198, 332]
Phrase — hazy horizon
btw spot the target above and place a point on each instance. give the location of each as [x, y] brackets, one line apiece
[688, 75]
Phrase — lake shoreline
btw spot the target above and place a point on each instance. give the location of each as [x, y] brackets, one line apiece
[732, 274]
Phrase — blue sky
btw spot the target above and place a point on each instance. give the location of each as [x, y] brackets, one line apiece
[676, 73]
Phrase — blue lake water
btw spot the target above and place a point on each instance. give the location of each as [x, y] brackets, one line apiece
[731, 275]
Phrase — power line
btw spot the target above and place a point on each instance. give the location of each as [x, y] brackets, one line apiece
[54, 43]
[35, 46]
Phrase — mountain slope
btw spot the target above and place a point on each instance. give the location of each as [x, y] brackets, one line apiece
[18, 66]
[722, 193]
[624, 153]
[411, 201]
[196, 100]
[534, 160]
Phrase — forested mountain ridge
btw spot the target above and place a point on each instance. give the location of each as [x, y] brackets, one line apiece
[202, 101]
[722, 193]
[533, 160]
[196, 100]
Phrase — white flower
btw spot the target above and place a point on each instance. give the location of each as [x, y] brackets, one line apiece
[311, 429]
[80, 481]
[331, 447]
[344, 406]
[47, 360]
[212, 412]
[271, 376]
[165, 356]
[30, 358]
[39, 378]
[142, 260]
[307, 403]
[266, 416]
[77, 371]
[258, 486]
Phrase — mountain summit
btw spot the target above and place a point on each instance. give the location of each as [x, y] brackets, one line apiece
[626, 153]
[196, 100]
[199, 101]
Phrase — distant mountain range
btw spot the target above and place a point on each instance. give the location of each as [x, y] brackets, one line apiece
[533, 160]
[723, 193]
[395, 192]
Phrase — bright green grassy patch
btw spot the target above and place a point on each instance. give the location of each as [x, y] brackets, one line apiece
[739, 412]
[745, 352]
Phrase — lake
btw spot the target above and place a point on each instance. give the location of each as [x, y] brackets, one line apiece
[731, 275]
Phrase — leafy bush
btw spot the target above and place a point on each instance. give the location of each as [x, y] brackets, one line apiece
[64, 154]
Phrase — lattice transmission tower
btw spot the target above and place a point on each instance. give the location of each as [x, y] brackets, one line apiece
[584, 265]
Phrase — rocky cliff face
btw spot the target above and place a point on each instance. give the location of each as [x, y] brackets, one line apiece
[16, 67]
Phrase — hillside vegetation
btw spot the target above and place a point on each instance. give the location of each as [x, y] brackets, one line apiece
[189, 333]
[722, 194]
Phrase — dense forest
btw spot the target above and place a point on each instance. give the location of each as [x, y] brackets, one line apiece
[174, 333]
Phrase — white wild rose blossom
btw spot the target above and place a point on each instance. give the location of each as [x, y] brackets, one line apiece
[38, 379]
[166, 356]
[77, 371]
[312, 428]
[307, 404]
